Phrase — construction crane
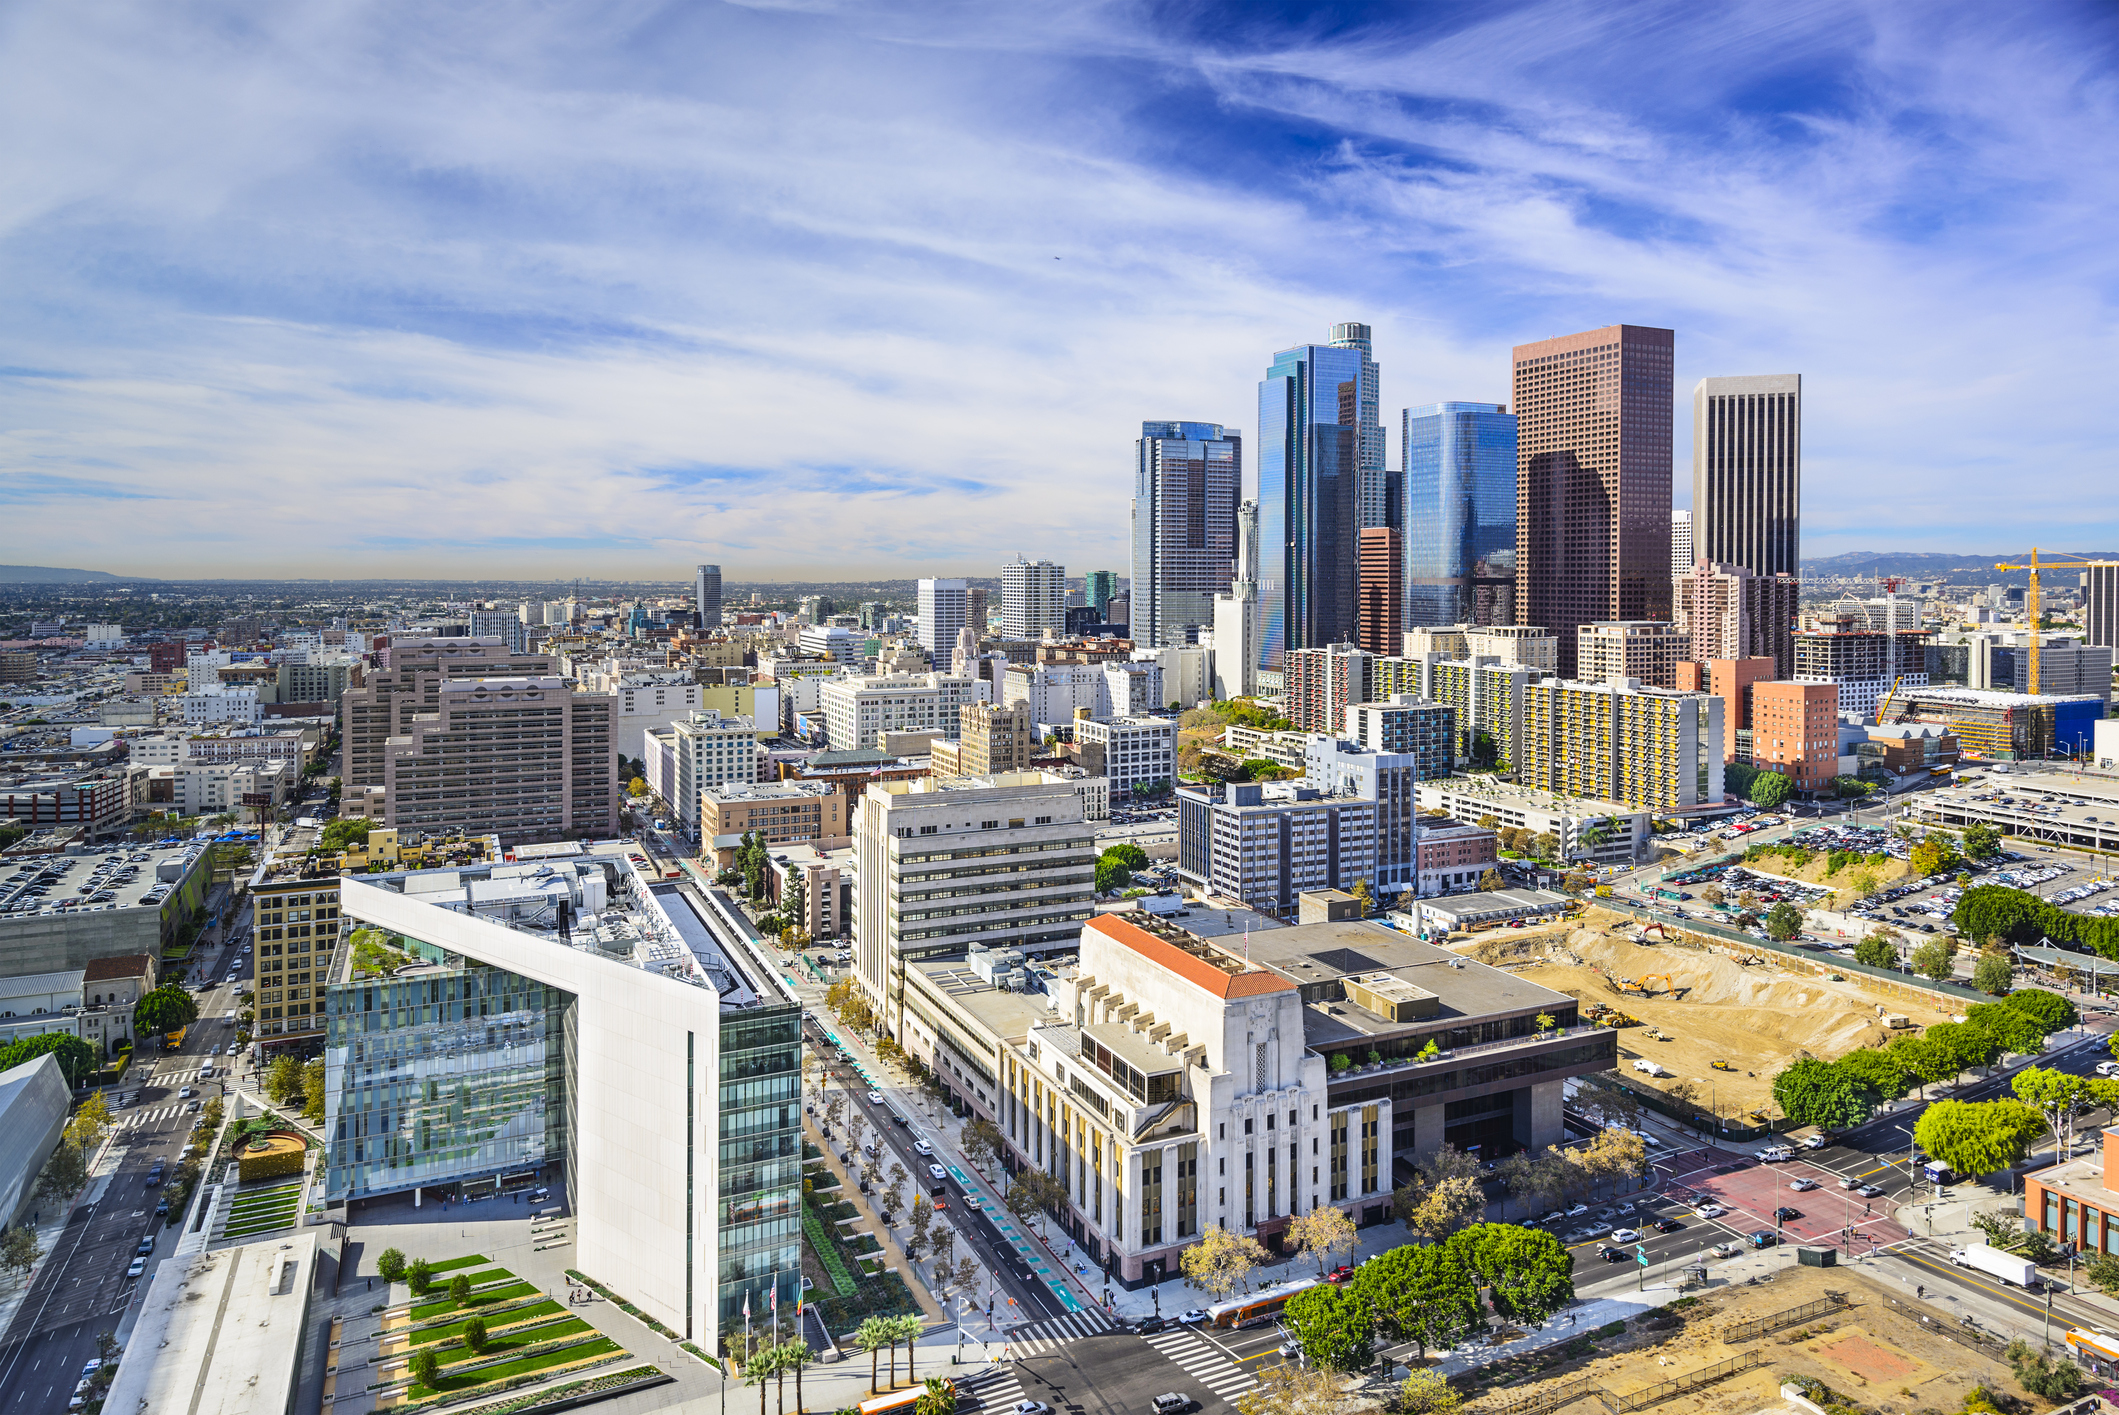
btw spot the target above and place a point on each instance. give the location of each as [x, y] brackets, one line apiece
[2030, 598]
[1885, 705]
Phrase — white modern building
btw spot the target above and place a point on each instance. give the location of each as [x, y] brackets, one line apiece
[1055, 690]
[211, 788]
[647, 701]
[831, 641]
[942, 616]
[1187, 671]
[856, 709]
[1604, 831]
[569, 1017]
[1133, 751]
[34, 1104]
[703, 749]
[1033, 600]
[231, 705]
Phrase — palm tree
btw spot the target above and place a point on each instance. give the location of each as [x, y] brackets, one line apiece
[938, 1399]
[794, 1355]
[761, 1368]
[871, 1336]
[908, 1331]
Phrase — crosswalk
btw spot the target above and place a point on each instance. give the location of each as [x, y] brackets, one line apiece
[997, 1388]
[157, 1115]
[1202, 1361]
[1037, 1338]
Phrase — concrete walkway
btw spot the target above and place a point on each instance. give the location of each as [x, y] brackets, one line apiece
[850, 1190]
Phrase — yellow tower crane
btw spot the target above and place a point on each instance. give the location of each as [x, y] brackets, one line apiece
[2030, 598]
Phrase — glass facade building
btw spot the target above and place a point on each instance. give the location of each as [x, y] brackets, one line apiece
[760, 1203]
[1309, 469]
[1459, 514]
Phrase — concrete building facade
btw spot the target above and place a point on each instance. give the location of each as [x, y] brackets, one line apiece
[1747, 472]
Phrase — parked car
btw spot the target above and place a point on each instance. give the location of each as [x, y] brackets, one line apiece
[921, 1147]
[139, 1266]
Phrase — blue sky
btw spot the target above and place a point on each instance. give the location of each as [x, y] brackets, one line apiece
[822, 290]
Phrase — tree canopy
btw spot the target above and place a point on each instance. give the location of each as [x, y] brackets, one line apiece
[76, 1057]
[1978, 1137]
[1994, 975]
[1529, 1273]
[1784, 921]
[1876, 951]
[1128, 854]
[2018, 916]
[1334, 1327]
[1769, 789]
[2011, 1030]
[1820, 1093]
[1422, 1293]
[2053, 1012]
[165, 1009]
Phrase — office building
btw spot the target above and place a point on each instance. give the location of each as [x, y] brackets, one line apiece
[1454, 857]
[1406, 725]
[1378, 492]
[1747, 472]
[1187, 671]
[942, 611]
[1100, 587]
[1681, 553]
[2100, 604]
[975, 609]
[385, 702]
[1321, 682]
[1649, 747]
[991, 738]
[233, 706]
[1033, 599]
[524, 758]
[1377, 618]
[1608, 832]
[1795, 731]
[2003, 726]
[1389, 780]
[576, 1020]
[1187, 480]
[1459, 519]
[946, 864]
[782, 812]
[1731, 680]
[1238, 624]
[1310, 448]
[1129, 752]
[1647, 651]
[1054, 691]
[1593, 424]
[836, 645]
[706, 596]
[856, 709]
[701, 749]
[2067, 666]
[1266, 845]
[503, 624]
[1727, 611]
[315, 682]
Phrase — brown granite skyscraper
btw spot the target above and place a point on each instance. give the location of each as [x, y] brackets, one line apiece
[1593, 432]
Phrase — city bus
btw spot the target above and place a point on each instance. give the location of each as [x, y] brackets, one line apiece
[1261, 1306]
[897, 1401]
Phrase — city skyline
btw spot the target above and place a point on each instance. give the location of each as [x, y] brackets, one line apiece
[520, 314]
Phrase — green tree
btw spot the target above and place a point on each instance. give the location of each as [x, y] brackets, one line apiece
[1923, 1059]
[460, 1289]
[1878, 1068]
[1112, 876]
[1428, 1393]
[420, 1276]
[313, 1091]
[1813, 1092]
[390, 1265]
[1978, 1137]
[474, 1331]
[1994, 975]
[1968, 1044]
[90, 1123]
[2054, 1012]
[2055, 1095]
[1528, 1273]
[1784, 921]
[63, 1174]
[1492, 880]
[425, 1368]
[1981, 842]
[2041, 1373]
[1334, 1327]
[164, 1010]
[19, 1250]
[2011, 1030]
[1769, 789]
[1935, 959]
[1876, 951]
[76, 1057]
[938, 1397]
[283, 1080]
[1424, 1294]
[1935, 855]
[872, 1336]
[1130, 855]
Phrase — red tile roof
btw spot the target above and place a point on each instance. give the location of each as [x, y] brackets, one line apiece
[1190, 967]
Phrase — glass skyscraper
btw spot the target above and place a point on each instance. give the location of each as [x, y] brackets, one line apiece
[1459, 514]
[1310, 444]
[1187, 480]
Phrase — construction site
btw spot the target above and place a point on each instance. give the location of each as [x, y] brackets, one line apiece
[1724, 1019]
[1731, 1349]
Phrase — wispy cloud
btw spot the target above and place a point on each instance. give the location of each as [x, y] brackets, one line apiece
[812, 289]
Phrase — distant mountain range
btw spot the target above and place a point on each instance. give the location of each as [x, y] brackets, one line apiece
[1926, 565]
[50, 575]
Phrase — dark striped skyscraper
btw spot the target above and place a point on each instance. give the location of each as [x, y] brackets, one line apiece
[1459, 514]
[707, 593]
[1310, 449]
[1187, 479]
[1593, 416]
[1747, 472]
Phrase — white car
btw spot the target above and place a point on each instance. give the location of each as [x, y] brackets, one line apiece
[1577, 1210]
[2108, 1068]
[1709, 1211]
[139, 1266]
[921, 1147]
[1032, 1407]
[1626, 1235]
[875, 1098]
[1803, 1186]
[935, 1171]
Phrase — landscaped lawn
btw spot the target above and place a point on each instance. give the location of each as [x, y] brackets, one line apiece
[454, 1263]
[285, 1194]
[516, 1340]
[602, 1346]
[513, 1314]
[478, 1299]
[479, 1279]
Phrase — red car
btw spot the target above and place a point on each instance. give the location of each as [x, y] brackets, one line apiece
[1339, 1274]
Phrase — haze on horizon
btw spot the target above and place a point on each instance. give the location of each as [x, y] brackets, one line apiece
[838, 292]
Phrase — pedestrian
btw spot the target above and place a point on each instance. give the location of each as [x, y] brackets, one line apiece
[1920, 1289]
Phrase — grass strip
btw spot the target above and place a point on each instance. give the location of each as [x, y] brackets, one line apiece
[520, 1340]
[454, 1263]
[456, 1328]
[478, 1299]
[486, 1375]
[549, 1395]
[813, 1229]
[277, 1201]
[480, 1279]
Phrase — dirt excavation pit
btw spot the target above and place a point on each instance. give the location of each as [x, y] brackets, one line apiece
[1755, 1017]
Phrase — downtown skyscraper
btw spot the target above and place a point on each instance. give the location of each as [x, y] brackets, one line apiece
[1314, 452]
[1593, 433]
[706, 596]
[1459, 514]
[1187, 480]
[1747, 472]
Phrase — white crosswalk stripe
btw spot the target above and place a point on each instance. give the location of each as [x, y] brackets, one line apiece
[997, 1389]
[1037, 1338]
[1203, 1361]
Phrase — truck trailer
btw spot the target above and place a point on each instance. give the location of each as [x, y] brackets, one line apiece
[2010, 1268]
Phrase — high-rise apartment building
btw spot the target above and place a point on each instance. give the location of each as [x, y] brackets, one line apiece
[1269, 845]
[1680, 544]
[1729, 612]
[1033, 599]
[386, 701]
[1841, 649]
[1525, 645]
[701, 749]
[1403, 724]
[1593, 431]
[1459, 517]
[975, 607]
[1391, 781]
[1129, 752]
[1747, 465]
[523, 758]
[966, 862]
[706, 596]
[942, 616]
[1647, 651]
[1378, 492]
[1651, 748]
[1187, 480]
[1487, 697]
[1377, 619]
[1100, 587]
[1322, 681]
[503, 624]
[1310, 449]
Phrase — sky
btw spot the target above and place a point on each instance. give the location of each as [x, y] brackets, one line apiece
[818, 290]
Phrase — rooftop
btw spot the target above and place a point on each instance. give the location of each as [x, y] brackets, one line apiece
[128, 878]
[1004, 1012]
[1197, 960]
[124, 965]
[220, 1333]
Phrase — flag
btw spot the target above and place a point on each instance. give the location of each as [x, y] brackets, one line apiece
[774, 1305]
[746, 1306]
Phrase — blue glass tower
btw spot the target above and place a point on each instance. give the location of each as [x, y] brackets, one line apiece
[1309, 471]
[1459, 514]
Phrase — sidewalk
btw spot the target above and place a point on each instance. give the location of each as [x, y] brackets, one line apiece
[850, 1189]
